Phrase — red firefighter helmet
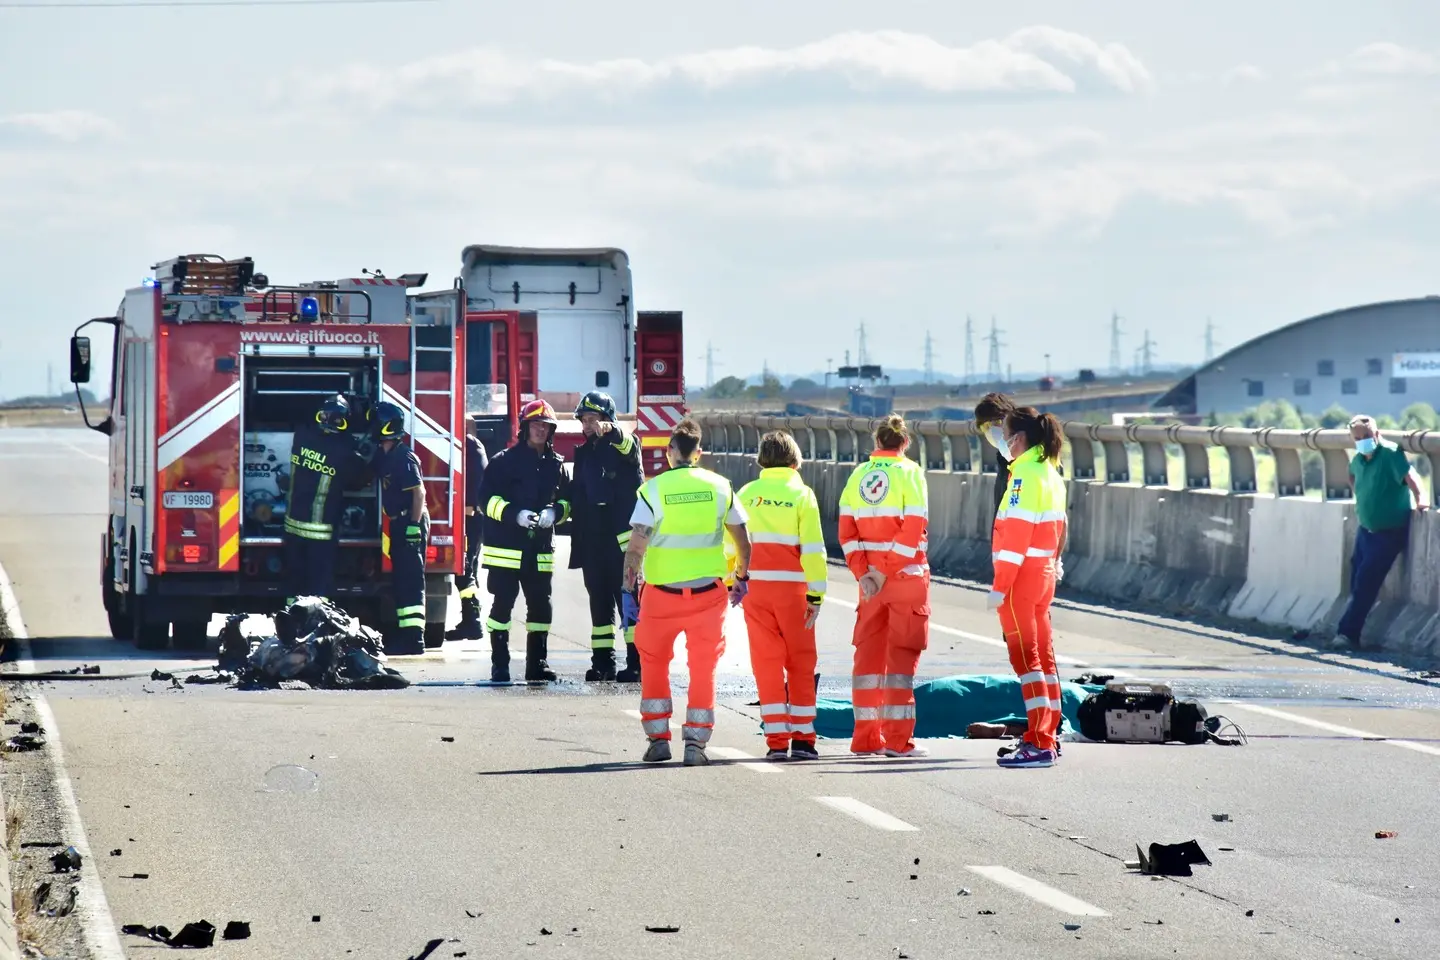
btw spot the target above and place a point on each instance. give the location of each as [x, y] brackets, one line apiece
[539, 410]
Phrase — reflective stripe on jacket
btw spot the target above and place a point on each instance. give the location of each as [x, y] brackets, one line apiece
[884, 516]
[688, 543]
[784, 523]
[1031, 521]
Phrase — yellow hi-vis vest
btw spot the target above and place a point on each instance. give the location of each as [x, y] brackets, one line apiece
[783, 519]
[688, 542]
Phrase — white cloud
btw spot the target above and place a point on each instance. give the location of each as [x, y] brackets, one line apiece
[1386, 60]
[854, 66]
[67, 126]
[1244, 73]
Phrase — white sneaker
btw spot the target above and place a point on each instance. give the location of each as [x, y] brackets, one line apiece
[914, 750]
[695, 754]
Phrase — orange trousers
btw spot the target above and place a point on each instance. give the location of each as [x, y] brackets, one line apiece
[1025, 618]
[891, 630]
[700, 615]
[782, 654]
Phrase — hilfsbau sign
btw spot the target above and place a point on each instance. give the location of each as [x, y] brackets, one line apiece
[1417, 365]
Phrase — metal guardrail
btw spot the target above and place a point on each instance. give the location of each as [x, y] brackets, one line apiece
[952, 445]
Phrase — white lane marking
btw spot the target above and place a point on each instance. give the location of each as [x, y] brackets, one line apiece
[94, 910]
[86, 453]
[866, 814]
[1334, 728]
[1038, 891]
[756, 765]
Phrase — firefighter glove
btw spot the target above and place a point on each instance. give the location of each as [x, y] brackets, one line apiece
[993, 601]
[547, 517]
[527, 519]
[629, 609]
[414, 534]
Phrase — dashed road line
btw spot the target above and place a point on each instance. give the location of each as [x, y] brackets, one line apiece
[1039, 892]
[755, 764]
[866, 814]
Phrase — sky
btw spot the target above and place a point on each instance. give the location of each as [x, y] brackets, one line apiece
[782, 172]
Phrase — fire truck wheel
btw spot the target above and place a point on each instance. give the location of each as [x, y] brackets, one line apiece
[434, 635]
[192, 634]
[121, 627]
[149, 635]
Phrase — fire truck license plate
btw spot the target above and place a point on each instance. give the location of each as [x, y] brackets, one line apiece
[186, 500]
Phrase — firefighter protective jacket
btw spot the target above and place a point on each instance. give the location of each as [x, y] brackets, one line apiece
[1031, 522]
[884, 517]
[602, 496]
[322, 467]
[521, 479]
[476, 461]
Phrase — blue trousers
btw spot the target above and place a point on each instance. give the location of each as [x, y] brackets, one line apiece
[1370, 562]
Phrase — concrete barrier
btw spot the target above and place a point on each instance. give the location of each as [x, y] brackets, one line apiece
[1280, 561]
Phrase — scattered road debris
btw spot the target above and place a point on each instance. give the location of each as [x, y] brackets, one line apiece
[1385, 834]
[66, 860]
[1169, 859]
[473, 914]
[116, 852]
[318, 644]
[198, 935]
[985, 913]
[1249, 913]
[964, 892]
[30, 726]
[136, 876]
[1072, 927]
[1220, 817]
[662, 929]
[447, 739]
[161, 675]
[236, 930]
[545, 933]
[315, 919]
[430, 948]
[24, 743]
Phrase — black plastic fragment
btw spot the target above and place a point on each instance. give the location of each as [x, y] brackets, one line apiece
[662, 929]
[66, 860]
[158, 674]
[236, 930]
[429, 949]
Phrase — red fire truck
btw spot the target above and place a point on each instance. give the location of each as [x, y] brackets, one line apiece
[213, 367]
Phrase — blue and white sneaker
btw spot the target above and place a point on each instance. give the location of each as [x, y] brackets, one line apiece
[1027, 757]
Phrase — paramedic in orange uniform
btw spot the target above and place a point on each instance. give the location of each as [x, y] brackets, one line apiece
[883, 530]
[1029, 535]
[678, 534]
[787, 586]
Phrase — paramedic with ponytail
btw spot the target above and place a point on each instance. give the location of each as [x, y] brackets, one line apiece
[883, 531]
[1029, 535]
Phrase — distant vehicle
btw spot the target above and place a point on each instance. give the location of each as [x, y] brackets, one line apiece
[1087, 376]
[1047, 384]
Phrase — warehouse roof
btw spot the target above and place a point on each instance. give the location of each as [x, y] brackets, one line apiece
[1183, 393]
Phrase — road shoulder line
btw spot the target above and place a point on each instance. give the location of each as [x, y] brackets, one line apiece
[1039, 892]
[96, 920]
[867, 814]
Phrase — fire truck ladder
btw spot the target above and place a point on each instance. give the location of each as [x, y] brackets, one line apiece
[419, 432]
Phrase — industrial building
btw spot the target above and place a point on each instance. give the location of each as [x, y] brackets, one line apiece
[1375, 359]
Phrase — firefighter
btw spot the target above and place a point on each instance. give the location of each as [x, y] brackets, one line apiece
[677, 533]
[787, 587]
[324, 462]
[1029, 535]
[883, 531]
[402, 497]
[466, 583]
[607, 476]
[525, 494]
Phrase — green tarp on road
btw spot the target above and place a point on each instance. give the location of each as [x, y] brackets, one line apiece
[945, 707]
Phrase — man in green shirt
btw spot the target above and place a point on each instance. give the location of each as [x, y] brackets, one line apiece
[1384, 486]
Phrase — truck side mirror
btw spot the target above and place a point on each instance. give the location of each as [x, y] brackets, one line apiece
[79, 359]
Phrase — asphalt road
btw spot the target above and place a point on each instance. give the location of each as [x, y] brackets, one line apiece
[278, 807]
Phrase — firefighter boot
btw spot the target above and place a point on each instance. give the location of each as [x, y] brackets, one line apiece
[536, 669]
[602, 665]
[631, 673]
[469, 626]
[499, 656]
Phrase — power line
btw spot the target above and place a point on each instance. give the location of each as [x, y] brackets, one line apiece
[992, 370]
[123, 4]
[1209, 340]
[864, 353]
[929, 358]
[969, 350]
[1115, 363]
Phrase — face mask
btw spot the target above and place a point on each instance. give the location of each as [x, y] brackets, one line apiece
[996, 436]
[1365, 446]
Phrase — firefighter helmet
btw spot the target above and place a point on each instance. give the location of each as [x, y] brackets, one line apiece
[334, 415]
[387, 421]
[597, 402]
[538, 410]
